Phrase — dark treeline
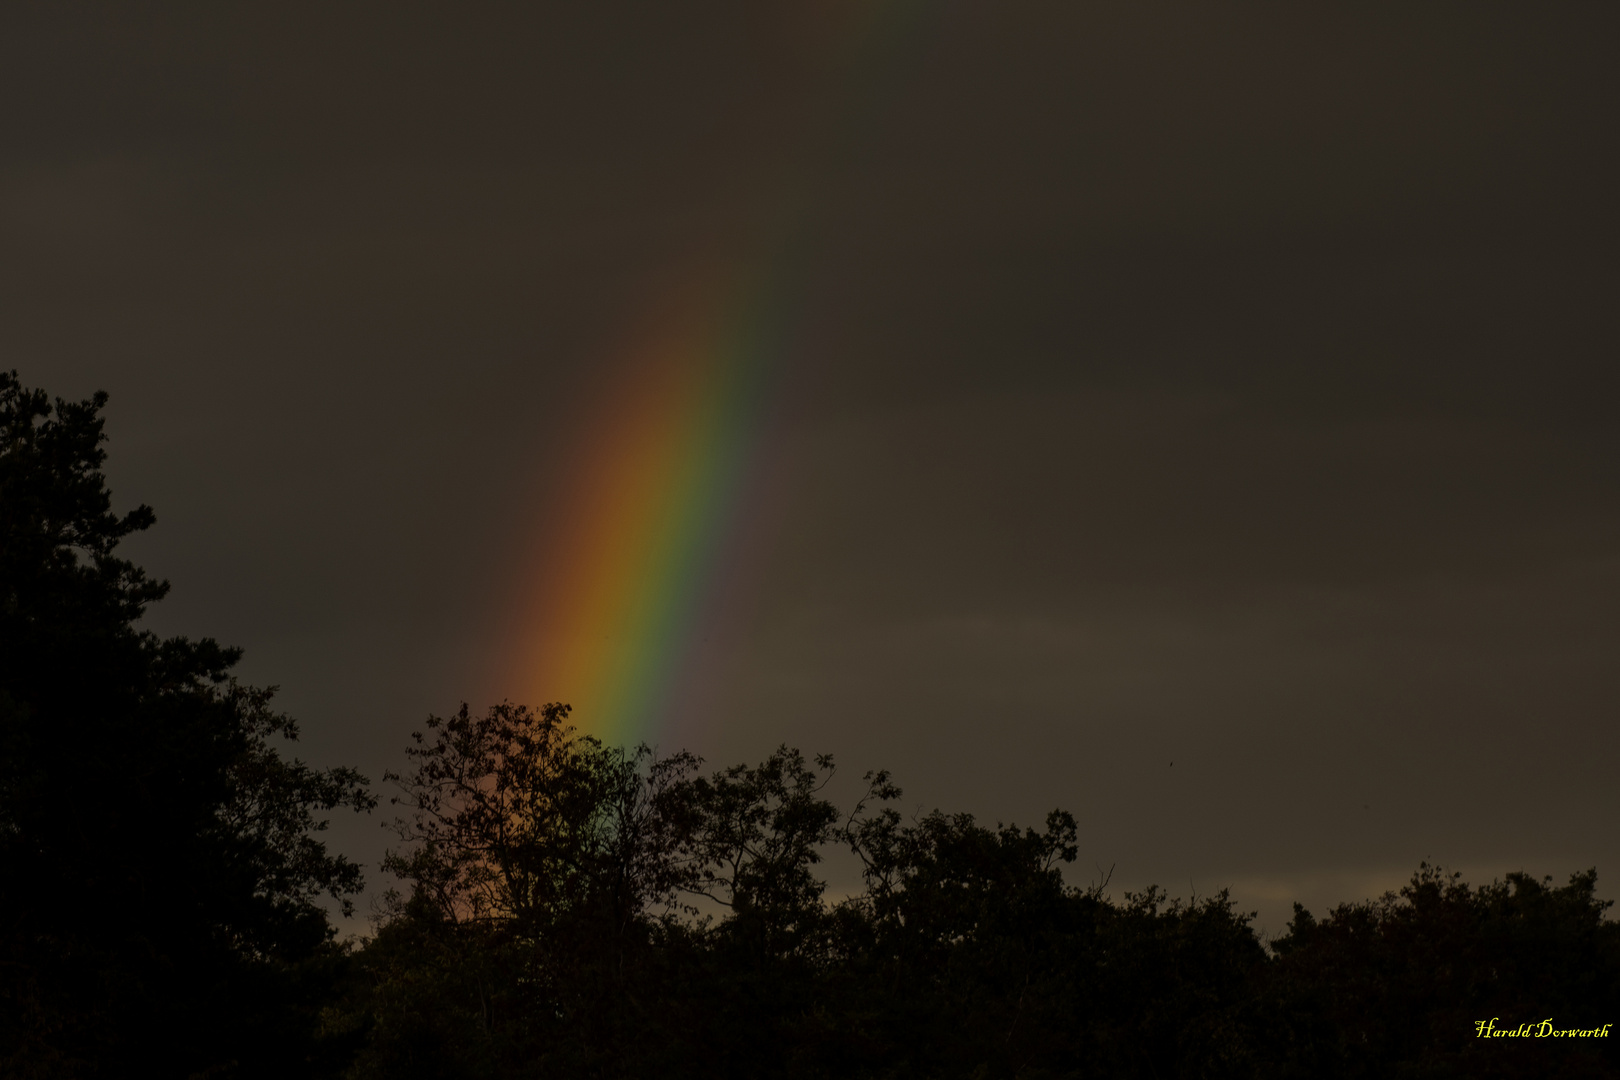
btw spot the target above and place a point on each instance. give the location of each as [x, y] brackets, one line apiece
[568, 909]
[547, 927]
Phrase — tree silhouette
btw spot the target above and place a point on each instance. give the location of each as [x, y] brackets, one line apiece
[1385, 986]
[546, 934]
[518, 820]
[545, 931]
[159, 873]
[543, 870]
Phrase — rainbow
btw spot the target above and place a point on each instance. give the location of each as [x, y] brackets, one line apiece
[641, 537]
[629, 565]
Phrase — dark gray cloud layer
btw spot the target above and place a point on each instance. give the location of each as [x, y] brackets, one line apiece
[1230, 387]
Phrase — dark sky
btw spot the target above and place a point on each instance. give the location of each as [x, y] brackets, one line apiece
[1231, 386]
